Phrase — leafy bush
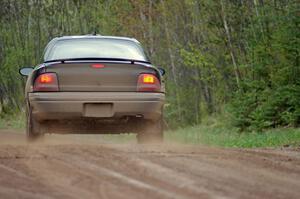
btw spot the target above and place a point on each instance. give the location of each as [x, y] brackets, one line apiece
[259, 109]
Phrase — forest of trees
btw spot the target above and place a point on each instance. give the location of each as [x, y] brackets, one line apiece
[239, 57]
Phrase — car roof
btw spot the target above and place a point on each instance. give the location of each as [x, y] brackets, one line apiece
[94, 37]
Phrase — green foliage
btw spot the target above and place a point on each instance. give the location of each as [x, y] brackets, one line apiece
[258, 109]
[243, 55]
[14, 120]
[270, 96]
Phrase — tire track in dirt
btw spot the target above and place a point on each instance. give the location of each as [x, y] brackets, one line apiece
[149, 172]
[107, 170]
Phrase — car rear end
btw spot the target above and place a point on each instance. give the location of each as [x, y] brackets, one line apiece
[115, 93]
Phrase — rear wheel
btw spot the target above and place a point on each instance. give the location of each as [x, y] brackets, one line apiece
[33, 127]
[152, 132]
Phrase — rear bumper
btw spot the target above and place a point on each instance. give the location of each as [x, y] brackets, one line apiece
[74, 105]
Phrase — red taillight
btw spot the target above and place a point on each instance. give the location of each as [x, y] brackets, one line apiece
[98, 66]
[46, 78]
[148, 79]
[46, 82]
[148, 82]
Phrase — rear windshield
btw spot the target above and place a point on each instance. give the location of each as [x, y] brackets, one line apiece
[95, 48]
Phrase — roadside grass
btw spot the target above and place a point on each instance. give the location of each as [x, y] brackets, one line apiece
[212, 132]
[13, 121]
[223, 137]
[218, 132]
[229, 137]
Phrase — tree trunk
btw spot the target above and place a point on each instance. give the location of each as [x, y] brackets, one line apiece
[150, 27]
[233, 59]
[171, 56]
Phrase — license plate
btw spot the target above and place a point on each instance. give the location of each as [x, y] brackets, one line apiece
[98, 110]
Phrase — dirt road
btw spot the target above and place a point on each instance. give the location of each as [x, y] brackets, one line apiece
[76, 166]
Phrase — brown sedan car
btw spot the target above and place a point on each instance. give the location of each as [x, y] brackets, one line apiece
[95, 84]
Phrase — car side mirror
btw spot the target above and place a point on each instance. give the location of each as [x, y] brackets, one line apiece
[162, 71]
[26, 71]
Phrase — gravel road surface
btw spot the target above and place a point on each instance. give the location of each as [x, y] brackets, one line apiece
[88, 166]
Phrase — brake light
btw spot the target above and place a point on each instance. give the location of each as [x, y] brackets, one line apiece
[98, 66]
[46, 82]
[148, 82]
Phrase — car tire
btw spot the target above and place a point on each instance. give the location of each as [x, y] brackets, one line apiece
[151, 133]
[33, 127]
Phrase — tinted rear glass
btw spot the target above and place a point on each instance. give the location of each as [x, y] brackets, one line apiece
[95, 48]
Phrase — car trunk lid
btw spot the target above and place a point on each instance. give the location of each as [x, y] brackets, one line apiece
[98, 76]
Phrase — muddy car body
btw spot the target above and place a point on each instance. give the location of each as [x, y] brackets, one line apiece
[95, 84]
